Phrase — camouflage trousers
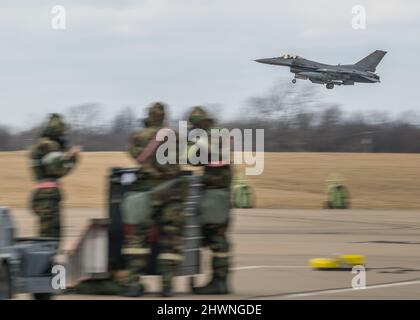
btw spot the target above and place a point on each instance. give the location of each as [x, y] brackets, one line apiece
[46, 205]
[167, 232]
[214, 237]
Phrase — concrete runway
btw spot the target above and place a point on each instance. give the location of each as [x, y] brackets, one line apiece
[272, 247]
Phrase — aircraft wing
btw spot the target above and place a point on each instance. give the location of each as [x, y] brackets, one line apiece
[341, 71]
[348, 73]
[371, 79]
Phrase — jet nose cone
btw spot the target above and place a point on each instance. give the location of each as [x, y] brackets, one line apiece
[267, 61]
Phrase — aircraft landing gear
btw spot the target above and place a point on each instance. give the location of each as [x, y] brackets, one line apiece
[330, 85]
[293, 80]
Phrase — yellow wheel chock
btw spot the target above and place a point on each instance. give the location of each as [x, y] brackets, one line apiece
[339, 262]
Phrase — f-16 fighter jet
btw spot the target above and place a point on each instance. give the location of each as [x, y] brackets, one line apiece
[316, 72]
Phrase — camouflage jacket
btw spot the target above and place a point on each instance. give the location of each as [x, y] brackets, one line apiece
[49, 161]
[217, 170]
[144, 148]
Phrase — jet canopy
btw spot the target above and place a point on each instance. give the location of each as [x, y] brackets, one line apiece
[289, 56]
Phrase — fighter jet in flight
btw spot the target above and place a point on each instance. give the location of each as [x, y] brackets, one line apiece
[316, 72]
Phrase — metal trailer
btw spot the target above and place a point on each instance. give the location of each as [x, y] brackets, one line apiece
[98, 252]
[25, 263]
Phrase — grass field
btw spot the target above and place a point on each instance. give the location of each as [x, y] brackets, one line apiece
[290, 180]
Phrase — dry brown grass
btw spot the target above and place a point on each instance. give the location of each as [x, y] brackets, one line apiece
[374, 180]
[290, 180]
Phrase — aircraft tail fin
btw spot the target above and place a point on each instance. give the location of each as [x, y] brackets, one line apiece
[370, 62]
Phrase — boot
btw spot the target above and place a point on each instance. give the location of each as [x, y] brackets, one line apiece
[166, 291]
[167, 268]
[215, 286]
[167, 285]
[133, 290]
[97, 287]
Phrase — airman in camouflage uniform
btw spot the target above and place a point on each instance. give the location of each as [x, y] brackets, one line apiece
[50, 161]
[167, 208]
[217, 175]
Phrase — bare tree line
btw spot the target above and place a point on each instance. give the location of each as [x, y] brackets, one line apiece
[292, 119]
[296, 120]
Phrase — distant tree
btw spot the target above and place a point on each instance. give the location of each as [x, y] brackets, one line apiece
[122, 126]
[5, 139]
[294, 118]
[124, 122]
[84, 117]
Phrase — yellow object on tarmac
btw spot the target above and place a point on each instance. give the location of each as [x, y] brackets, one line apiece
[324, 263]
[352, 259]
[340, 262]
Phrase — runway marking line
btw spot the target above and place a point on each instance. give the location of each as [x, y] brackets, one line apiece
[375, 286]
[332, 291]
[267, 267]
[321, 292]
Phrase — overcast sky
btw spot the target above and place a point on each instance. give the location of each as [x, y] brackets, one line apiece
[187, 52]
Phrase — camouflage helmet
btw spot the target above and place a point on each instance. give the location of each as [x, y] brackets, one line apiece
[197, 115]
[156, 114]
[55, 126]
